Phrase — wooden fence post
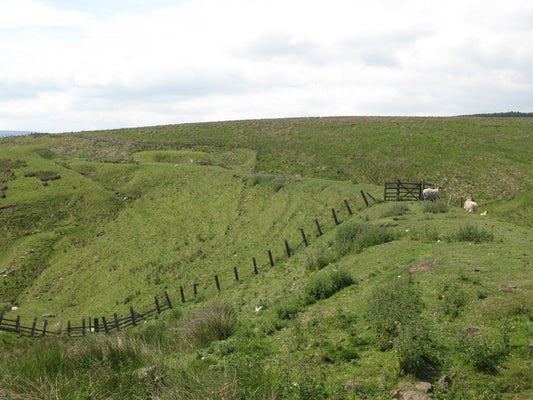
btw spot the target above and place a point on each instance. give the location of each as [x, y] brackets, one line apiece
[256, 271]
[45, 325]
[194, 290]
[270, 258]
[236, 273]
[96, 325]
[287, 248]
[335, 216]
[318, 228]
[68, 328]
[117, 325]
[105, 325]
[60, 328]
[366, 201]
[132, 313]
[304, 238]
[2, 311]
[182, 293]
[348, 207]
[157, 305]
[33, 325]
[17, 324]
[83, 327]
[217, 283]
[168, 300]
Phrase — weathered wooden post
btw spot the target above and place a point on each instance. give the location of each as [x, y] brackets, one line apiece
[105, 325]
[195, 289]
[236, 273]
[364, 198]
[60, 327]
[157, 305]
[83, 327]
[256, 271]
[304, 238]
[318, 228]
[33, 325]
[45, 325]
[348, 207]
[217, 283]
[117, 325]
[335, 216]
[271, 258]
[287, 248]
[132, 313]
[97, 325]
[68, 328]
[168, 300]
[182, 293]
[2, 311]
[17, 324]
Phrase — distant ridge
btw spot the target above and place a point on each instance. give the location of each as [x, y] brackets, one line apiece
[502, 114]
[15, 133]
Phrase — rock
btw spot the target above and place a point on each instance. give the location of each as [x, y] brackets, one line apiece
[408, 394]
[445, 382]
[425, 387]
[48, 315]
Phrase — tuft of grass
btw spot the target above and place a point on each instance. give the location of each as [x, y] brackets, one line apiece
[213, 321]
[324, 286]
[395, 210]
[435, 207]
[471, 233]
[356, 236]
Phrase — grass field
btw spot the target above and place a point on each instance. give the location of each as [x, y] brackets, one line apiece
[95, 222]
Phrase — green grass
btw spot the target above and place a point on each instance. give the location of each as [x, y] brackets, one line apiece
[396, 293]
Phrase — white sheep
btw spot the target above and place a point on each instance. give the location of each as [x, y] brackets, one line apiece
[470, 206]
[431, 194]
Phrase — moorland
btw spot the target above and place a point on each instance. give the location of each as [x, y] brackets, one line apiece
[385, 296]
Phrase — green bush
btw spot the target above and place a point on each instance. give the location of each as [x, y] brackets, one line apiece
[353, 236]
[319, 259]
[481, 354]
[390, 306]
[415, 350]
[213, 321]
[396, 209]
[326, 285]
[426, 234]
[435, 207]
[471, 233]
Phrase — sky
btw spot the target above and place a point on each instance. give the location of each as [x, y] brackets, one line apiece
[73, 65]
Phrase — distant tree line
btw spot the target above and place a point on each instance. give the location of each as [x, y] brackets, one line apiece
[502, 114]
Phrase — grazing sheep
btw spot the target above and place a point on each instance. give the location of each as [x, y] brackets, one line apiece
[484, 213]
[431, 194]
[470, 206]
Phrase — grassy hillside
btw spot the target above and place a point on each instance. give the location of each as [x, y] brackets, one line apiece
[95, 222]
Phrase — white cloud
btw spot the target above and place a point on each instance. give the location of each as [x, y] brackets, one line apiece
[198, 60]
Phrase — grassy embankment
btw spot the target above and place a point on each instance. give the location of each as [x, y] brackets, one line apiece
[130, 216]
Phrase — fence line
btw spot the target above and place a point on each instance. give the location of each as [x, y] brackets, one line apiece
[103, 324]
[94, 325]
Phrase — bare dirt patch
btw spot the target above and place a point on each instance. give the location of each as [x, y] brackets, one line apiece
[421, 267]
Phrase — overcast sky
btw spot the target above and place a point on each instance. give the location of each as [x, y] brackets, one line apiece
[70, 65]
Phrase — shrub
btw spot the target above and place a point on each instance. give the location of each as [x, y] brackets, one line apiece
[214, 321]
[435, 207]
[415, 350]
[394, 304]
[481, 354]
[427, 234]
[454, 299]
[288, 309]
[396, 209]
[319, 259]
[322, 287]
[471, 233]
[353, 236]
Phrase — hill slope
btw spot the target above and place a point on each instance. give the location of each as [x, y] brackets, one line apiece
[95, 222]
